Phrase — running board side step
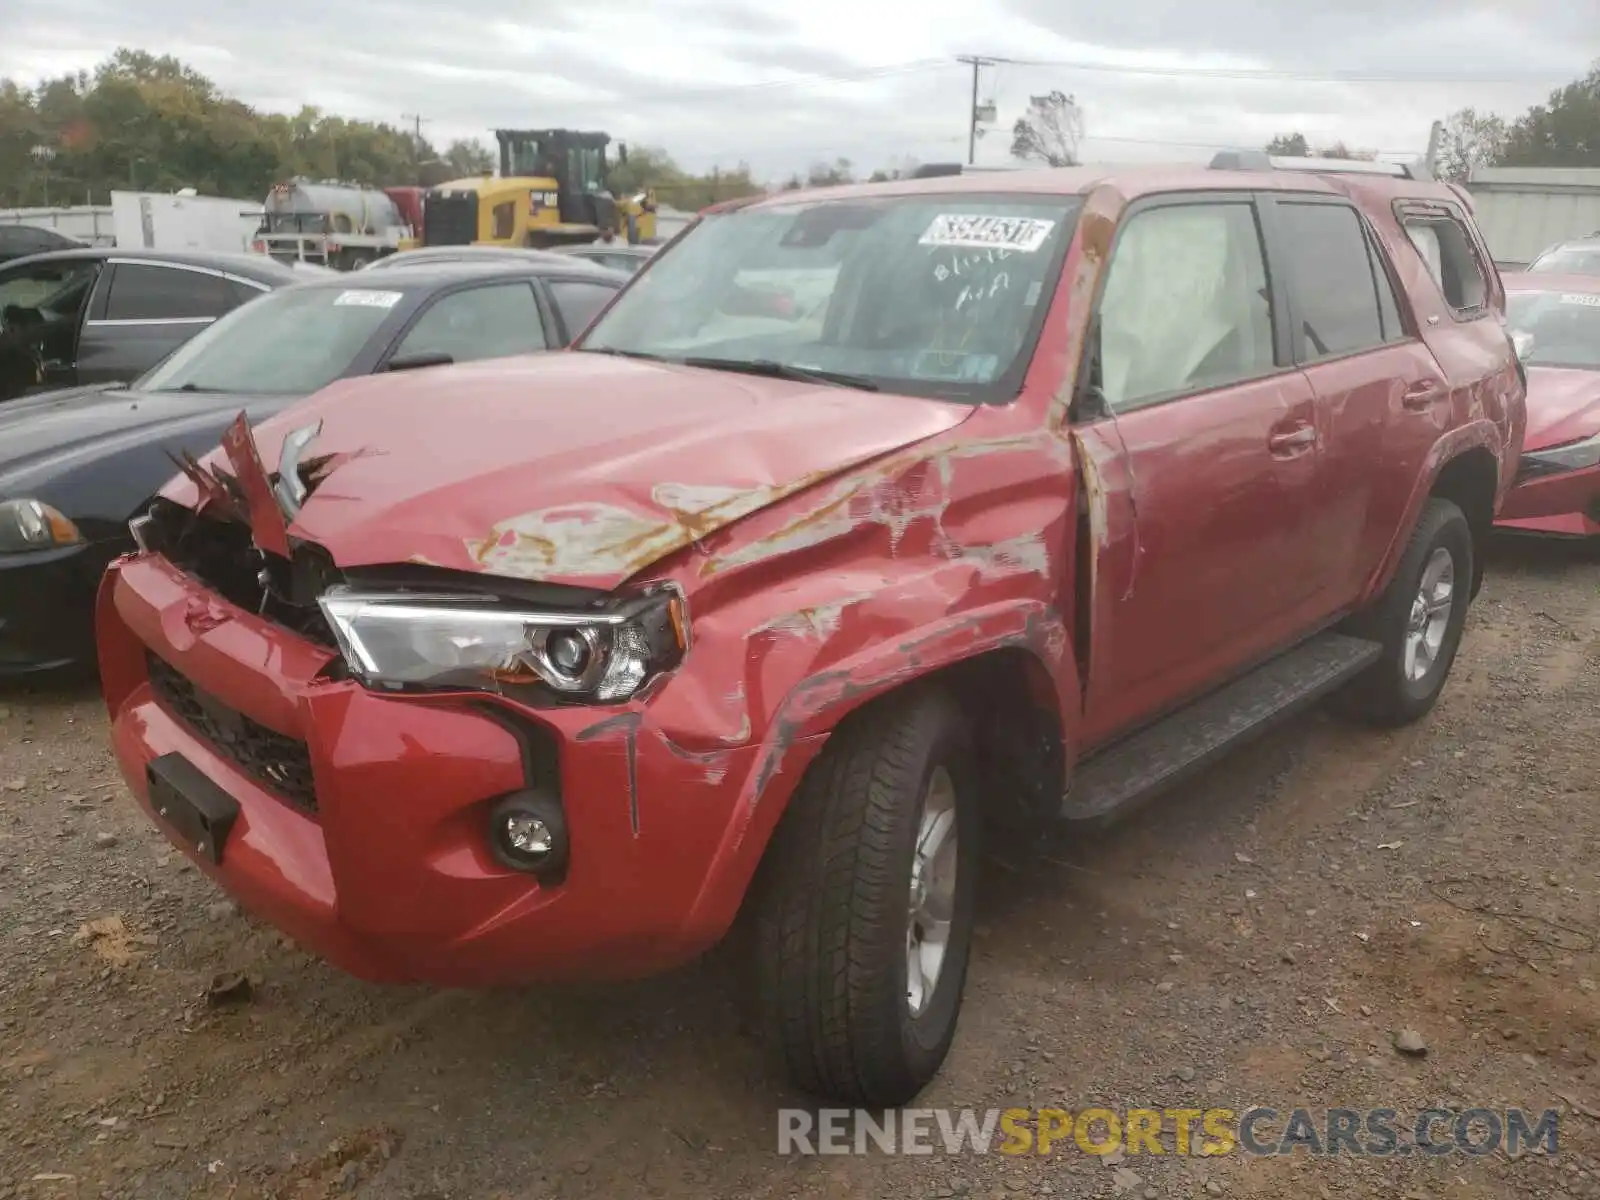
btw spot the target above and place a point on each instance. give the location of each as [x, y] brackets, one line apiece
[1178, 746]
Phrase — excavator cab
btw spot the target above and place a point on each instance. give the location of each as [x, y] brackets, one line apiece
[577, 162]
[550, 191]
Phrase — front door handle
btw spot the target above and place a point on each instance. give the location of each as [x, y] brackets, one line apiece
[1291, 440]
[1420, 395]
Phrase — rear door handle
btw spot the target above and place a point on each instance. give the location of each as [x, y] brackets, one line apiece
[1420, 395]
[1291, 440]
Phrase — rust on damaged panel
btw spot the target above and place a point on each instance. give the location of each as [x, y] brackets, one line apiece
[598, 538]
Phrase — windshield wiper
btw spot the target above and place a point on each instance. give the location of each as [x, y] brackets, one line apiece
[772, 369]
[621, 353]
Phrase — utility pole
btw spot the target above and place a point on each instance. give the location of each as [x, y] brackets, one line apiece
[976, 61]
[417, 122]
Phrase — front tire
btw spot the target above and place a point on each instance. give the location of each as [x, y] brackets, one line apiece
[865, 912]
[1419, 621]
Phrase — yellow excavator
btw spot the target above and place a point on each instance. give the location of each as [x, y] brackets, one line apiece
[551, 190]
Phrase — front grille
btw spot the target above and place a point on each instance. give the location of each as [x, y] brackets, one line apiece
[281, 764]
[450, 220]
[222, 555]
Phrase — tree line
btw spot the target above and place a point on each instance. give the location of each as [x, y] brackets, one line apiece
[1562, 132]
[143, 122]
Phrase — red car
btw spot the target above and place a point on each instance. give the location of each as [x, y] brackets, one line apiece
[1039, 490]
[1555, 322]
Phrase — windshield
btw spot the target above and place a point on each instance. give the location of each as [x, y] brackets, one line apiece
[1556, 329]
[288, 342]
[935, 295]
[1568, 260]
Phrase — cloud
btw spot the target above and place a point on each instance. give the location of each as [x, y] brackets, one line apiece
[719, 81]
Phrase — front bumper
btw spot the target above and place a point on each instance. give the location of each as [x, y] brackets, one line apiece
[382, 864]
[47, 608]
[1563, 504]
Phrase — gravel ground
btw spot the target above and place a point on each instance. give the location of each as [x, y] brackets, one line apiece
[1259, 937]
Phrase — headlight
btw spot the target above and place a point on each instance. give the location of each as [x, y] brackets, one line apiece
[34, 525]
[1574, 456]
[459, 641]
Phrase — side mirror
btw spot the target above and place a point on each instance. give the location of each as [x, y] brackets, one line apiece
[413, 362]
[1522, 343]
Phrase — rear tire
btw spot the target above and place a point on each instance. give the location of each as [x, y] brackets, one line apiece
[1419, 620]
[839, 924]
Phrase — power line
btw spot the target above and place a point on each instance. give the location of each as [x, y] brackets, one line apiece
[1264, 73]
[926, 65]
[861, 75]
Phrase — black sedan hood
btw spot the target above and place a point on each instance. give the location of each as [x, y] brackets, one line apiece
[99, 452]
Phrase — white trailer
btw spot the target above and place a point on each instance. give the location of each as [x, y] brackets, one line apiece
[182, 221]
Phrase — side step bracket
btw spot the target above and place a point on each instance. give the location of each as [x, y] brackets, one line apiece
[1149, 762]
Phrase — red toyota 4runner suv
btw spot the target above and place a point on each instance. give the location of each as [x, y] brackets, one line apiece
[863, 523]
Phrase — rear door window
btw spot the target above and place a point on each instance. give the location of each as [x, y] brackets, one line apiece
[144, 292]
[491, 321]
[579, 302]
[1452, 259]
[1334, 290]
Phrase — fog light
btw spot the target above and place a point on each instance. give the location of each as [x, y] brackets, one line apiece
[527, 836]
[527, 833]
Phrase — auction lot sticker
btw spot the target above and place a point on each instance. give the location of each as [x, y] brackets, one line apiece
[369, 299]
[974, 232]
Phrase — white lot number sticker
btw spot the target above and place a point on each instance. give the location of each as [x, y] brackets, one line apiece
[369, 299]
[973, 232]
[1590, 301]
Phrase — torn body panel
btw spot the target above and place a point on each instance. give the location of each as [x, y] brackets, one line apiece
[579, 469]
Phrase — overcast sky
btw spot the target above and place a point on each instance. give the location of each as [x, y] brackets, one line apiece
[783, 85]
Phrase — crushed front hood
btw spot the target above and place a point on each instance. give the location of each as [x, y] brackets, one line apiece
[570, 468]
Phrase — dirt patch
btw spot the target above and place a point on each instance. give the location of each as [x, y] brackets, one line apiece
[110, 940]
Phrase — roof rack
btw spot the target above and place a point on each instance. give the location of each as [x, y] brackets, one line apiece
[1257, 160]
[939, 170]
